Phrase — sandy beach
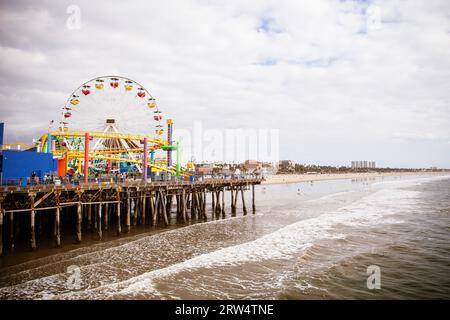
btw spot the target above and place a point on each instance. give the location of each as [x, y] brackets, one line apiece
[294, 178]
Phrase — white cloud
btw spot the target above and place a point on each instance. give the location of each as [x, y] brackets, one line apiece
[328, 79]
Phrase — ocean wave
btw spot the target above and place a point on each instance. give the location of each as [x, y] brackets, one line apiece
[281, 244]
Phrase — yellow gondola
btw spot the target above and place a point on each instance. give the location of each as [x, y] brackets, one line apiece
[151, 105]
[159, 132]
[99, 86]
[128, 87]
[74, 102]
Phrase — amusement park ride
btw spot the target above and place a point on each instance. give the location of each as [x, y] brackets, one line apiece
[116, 104]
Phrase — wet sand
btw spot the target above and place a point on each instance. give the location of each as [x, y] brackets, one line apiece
[294, 178]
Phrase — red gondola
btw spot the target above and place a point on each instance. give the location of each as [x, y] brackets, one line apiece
[114, 82]
[67, 115]
[141, 94]
[86, 91]
[157, 117]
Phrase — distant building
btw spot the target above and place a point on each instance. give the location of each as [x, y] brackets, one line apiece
[251, 165]
[363, 164]
[203, 170]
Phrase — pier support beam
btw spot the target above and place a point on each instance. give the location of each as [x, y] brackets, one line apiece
[106, 218]
[152, 208]
[57, 227]
[128, 218]
[223, 202]
[11, 231]
[1, 228]
[99, 222]
[243, 201]
[253, 199]
[164, 209]
[233, 211]
[57, 234]
[89, 216]
[183, 204]
[79, 220]
[213, 203]
[193, 204]
[204, 203]
[235, 199]
[134, 207]
[144, 208]
[119, 228]
[156, 209]
[32, 222]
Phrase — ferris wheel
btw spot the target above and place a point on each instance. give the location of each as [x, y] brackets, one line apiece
[112, 100]
[110, 105]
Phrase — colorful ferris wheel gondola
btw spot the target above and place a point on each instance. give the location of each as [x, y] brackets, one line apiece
[151, 103]
[114, 82]
[128, 85]
[86, 90]
[157, 116]
[74, 100]
[99, 84]
[141, 93]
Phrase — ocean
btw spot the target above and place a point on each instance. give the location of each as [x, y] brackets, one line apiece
[310, 240]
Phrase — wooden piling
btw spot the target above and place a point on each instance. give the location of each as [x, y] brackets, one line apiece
[89, 217]
[183, 204]
[144, 207]
[1, 228]
[133, 211]
[233, 210]
[156, 211]
[243, 201]
[204, 203]
[164, 209]
[51, 207]
[218, 209]
[253, 199]
[105, 216]
[213, 204]
[235, 199]
[11, 231]
[57, 221]
[79, 221]
[99, 221]
[32, 222]
[152, 207]
[128, 218]
[119, 227]
[193, 204]
[223, 202]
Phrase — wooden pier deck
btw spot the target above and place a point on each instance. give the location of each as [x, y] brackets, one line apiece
[95, 207]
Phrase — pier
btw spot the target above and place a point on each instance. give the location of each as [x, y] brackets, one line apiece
[34, 212]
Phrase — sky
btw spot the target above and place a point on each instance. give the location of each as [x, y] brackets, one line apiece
[335, 81]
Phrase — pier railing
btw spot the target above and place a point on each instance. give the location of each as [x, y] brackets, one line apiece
[114, 183]
[100, 205]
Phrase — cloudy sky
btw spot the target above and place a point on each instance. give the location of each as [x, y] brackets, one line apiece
[341, 80]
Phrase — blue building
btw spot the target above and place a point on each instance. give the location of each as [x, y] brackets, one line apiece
[19, 165]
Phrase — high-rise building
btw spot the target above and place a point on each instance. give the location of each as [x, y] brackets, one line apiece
[363, 164]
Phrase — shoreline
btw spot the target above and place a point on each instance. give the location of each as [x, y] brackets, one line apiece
[297, 178]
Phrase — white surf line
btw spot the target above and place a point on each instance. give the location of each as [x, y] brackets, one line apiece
[277, 245]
